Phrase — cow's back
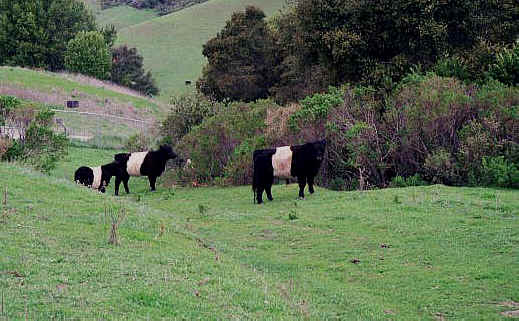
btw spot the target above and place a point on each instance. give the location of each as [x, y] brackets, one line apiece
[282, 162]
[134, 164]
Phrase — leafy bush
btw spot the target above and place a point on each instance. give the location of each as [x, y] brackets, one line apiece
[187, 111]
[415, 180]
[452, 67]
[38, 145]
[138, 143]
[222, 145]
[7, 105]
[5, 145]
[315, 108]
[89, 54]
[498, 171]
[506, 67]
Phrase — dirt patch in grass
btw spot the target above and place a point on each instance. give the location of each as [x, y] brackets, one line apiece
[511, 314]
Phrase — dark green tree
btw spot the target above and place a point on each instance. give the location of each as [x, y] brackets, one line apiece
[89, 54]
[35, 33]
[241, 59]
[128, 70]
[377, 41]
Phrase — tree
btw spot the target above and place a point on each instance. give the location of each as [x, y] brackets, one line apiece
[374, 42]
[88, 54]
[127, 70]
[241, 59]
[35, 33]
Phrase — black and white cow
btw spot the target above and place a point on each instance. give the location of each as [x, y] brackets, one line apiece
[99, 177]
[301, 161]
[150, 163]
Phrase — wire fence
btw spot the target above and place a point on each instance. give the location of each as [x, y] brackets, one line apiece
[90, 128]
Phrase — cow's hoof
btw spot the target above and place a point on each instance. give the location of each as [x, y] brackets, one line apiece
[301, 198]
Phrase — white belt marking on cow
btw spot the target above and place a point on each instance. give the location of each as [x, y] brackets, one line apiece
[282, 162]
[133, 167]
[97, 177]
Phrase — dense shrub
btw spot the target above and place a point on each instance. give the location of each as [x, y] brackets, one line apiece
[138, 143]
[415, 180]
[506, 67]
[39, 145]
[500, 172]
[431, 129]
[89, 54]
[222, 145]
[187, 111]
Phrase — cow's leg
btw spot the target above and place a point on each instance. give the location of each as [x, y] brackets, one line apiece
[125, 182]
[268, 189]
[311, 184]
[301, 180]
[152, 180]
[288, 181]
[259, 194]
[117, 183]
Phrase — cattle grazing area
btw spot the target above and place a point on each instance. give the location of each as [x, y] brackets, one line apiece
[418, 253]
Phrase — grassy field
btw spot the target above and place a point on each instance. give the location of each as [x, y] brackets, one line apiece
[172, 45]
[43, 82]
[422, 253]
[124, 16]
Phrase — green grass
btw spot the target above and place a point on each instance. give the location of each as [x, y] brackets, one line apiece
[172, 45]
[424, 253]
[49, 83]
[124, 16]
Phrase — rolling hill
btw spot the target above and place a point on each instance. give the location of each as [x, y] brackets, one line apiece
[129, 113]
[172, 45]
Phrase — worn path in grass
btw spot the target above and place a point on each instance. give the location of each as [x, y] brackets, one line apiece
[426, 253]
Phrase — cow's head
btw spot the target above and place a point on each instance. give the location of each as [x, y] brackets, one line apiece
[168, 152]
[319, 149]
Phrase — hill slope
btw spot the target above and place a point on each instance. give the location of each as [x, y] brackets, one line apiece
[172, 45]
[129, 112]
[423, 253]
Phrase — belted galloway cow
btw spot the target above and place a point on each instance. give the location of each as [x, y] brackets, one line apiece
[150, 163]
[99, 177]
[301, 161]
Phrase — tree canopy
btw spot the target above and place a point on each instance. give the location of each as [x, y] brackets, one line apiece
[35, 33]
[240, 59]
[89, 54]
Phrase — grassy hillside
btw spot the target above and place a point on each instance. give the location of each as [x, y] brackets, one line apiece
[172, 45]
[95, 97]
[124, 16]
[45, 85]
[425, 253]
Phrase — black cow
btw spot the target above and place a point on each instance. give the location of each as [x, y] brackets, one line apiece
[99, 177]
[150, 163]
[301, 161]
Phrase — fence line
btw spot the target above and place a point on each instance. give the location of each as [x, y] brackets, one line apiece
[102, 115]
